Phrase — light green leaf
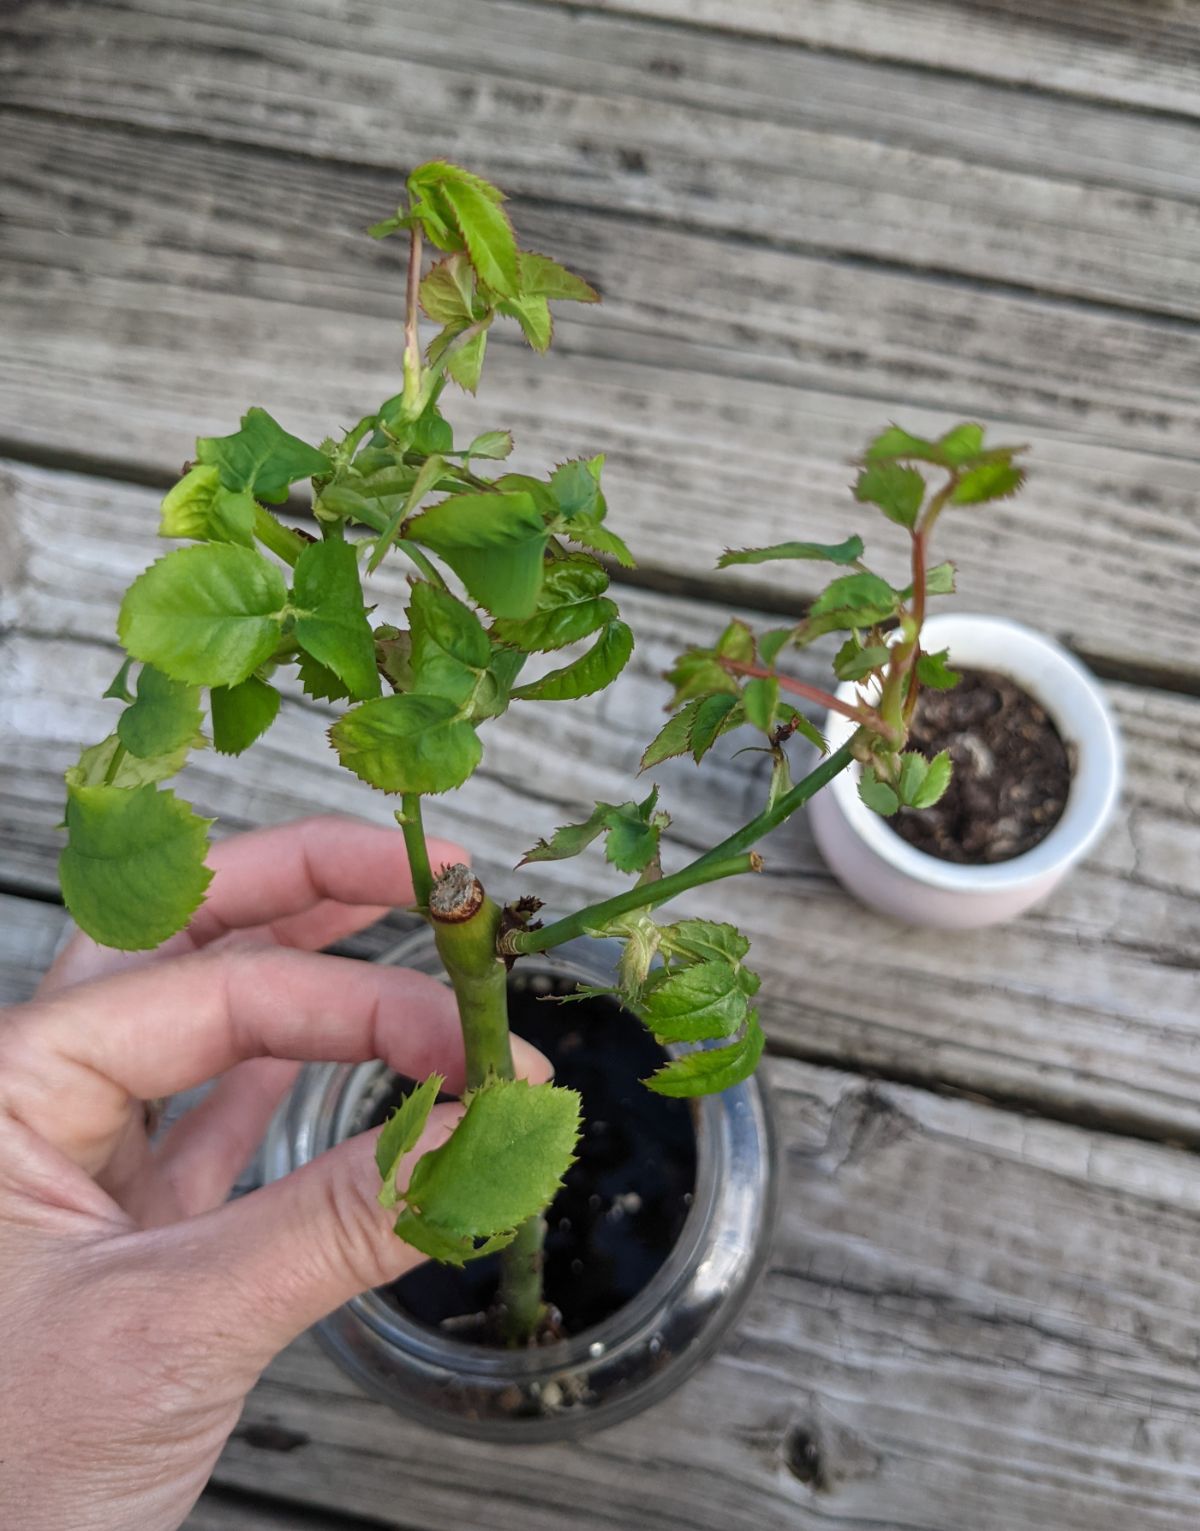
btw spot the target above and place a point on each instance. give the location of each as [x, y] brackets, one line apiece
[407, 743]
[760, 697]
[895, 443]
[587, 530]
[464, 363]
[449, 649]
[786, 713]
[401, 1132]
[241, 714]
[897, 491]
[491, 444]
[95, 763]
[486, 232]
[694, 1004]
[853, 661]
[716, 715]
[934, 671]
[575, 488]
[133, 871]
[532, 313]
[940, 579]
[937, 778]
[571, 605]
[989, 481]
[503, 1163]
[201, 508]
[736, 643]
[961, 443]
[569, 839]
[592, 671]
[331, 619]
[494, 542]
[704, 941]
[430, 471]
[448, 1248]
[841, 552]
[209, 614]
[164, 718]
[674, 738]
[713, 1069]
[448, 291]
[545, 277]
[634, 830]
[877, 795]
[857, 600]
[772, 643]
[319, 681]
[262, 457]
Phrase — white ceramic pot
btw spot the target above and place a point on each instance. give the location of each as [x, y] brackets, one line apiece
[871, 860]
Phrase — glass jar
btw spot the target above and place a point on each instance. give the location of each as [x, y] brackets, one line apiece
[592, 1379]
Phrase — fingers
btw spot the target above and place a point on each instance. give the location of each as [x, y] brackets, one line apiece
[160, 1029]
[304, 884]
[205, 1151]
[274, 1262]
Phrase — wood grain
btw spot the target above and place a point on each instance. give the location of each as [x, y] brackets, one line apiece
[869, 160]
[142, 346]
[1086, 1006]
[959, 1326]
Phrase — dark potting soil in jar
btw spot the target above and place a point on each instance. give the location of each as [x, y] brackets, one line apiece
[624, 1200]
[1011, 771]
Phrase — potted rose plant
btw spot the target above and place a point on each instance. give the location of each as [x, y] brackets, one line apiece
[505, 570]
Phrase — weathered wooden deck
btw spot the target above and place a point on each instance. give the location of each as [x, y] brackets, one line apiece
[983, 1306]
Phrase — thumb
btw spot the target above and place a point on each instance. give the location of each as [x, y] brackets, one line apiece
[269, 1265]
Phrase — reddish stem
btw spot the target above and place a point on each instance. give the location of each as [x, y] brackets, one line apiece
[799, 688]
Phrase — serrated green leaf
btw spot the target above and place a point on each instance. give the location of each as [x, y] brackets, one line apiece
[575, 488]
[877, 795]
[494, 542]
[448, 291]
[587, 530]
[713, 1069]
[913, 770]
[634, 830]
[569, 839]
[865, 597]
[592, 671]
[431, 432]
[407, 743]
[988, 481]
[401, 1132]
[200, 507]
[319, 682]
[495, 688]
[464, 363]
[241, 714]
[546, 278]
[164, 718]
[940, 579]
[133, 871]
[937, 779]
[933, 671]
[841, 552]
[704, 941]
[448, 1248]
[760, 697]
[486, 232]
[736, 643]
[494, 445]
[94, 764]
[331, 619]
[449, 648]
[772, 643]
[262, 457]
[896, 443]
[532, 313]
[715, 715]
[571, 605]
[694, 1004]
[696, 674]
[853, 661]
[806, 729]
[503, 1162]
[674, 738]
[961, 443]
[896, 490]
[209, 614]
[423, 481]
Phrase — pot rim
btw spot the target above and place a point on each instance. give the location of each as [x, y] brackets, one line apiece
[1073, 699]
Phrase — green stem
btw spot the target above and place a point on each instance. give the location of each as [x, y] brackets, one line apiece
[724, 860]
[414, 844]
[281, 540]
[114, 765]
[467, 946]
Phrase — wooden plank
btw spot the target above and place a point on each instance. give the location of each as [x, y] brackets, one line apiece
[30, 929]
[221, 1510]
[890, 164]
[143, 347]
[960, 1325]
[1118, 51]
[1086, 1005]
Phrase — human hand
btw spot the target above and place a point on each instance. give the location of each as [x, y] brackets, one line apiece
[137, 1309]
